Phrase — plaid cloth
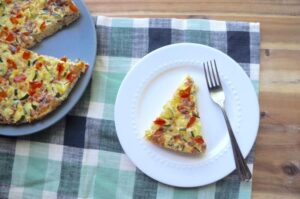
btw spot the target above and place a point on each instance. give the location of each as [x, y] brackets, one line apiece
[80, 156]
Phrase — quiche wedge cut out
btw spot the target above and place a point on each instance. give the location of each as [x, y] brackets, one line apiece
[178, 127]
[33, 85]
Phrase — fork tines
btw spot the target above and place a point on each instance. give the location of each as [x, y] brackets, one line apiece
[212, 74]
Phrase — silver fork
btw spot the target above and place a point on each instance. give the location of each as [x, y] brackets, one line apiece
[217, 95]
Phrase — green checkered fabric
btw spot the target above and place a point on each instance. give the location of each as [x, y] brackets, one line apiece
[81, 157]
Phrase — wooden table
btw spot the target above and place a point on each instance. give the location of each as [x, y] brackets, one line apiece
[277, 161]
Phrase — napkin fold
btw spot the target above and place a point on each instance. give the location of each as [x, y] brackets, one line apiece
[81, 157]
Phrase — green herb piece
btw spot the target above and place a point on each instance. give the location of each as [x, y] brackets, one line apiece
[35, 75]
[24, 97]
[34, 106]
[182, 129]
[192, 134]
[58, 95]
[33, 63]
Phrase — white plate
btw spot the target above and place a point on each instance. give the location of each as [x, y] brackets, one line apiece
[152, 82]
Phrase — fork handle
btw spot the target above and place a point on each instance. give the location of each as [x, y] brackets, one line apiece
[240, 162]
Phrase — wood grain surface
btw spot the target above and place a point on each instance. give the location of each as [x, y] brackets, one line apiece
[277, 160]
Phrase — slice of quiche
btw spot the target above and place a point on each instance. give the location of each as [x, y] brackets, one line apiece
[26, 22]
[178, 127]
[33, 85]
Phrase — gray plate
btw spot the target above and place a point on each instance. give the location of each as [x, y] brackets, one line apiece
[76, 41]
